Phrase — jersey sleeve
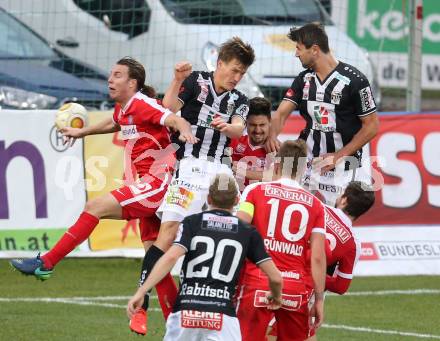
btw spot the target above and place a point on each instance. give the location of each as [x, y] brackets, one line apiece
[247, 200]
[242, 108]
[156, 113]
[295, 93]
[188, 88]
[184, 235]
[341, 279]
[363, 97]
[256, 252]
[319, 224]
[116, 113]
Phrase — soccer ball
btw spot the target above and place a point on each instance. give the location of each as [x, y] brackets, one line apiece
[72, 115]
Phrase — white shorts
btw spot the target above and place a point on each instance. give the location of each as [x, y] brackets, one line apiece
[188, 325]
[332, 184]
[188, 191]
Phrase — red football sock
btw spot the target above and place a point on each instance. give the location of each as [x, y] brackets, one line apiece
[167, 293]
[74, 236]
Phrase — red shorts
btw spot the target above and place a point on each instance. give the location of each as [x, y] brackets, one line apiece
[292, 318]
[141, 200]
[149, 228]
[274, 329]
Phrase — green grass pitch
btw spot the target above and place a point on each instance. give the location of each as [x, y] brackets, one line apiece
[92, 295]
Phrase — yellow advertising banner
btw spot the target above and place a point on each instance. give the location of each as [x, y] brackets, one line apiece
[104, 165]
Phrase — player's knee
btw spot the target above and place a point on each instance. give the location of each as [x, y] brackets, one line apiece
[94, 207]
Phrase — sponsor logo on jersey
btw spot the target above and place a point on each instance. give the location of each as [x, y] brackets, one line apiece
[339, 230]
[189, 186]
[240, 148]
[288, 302]
[336, 97]
[290, 275]
[367, 100]
[203, 94]
[290, 195]
[330, 188]
[180, 196]
[205, 290]
[210, 117]
[290, 93]
[343, 79]
[129, 132]
[323, 116]
[201, 319]
[242, 110]
[320, 95]
[219, 223]
[231, 104]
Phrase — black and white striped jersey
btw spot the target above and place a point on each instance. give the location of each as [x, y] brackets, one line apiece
[332, 108]
[216, 245]
[201, 104]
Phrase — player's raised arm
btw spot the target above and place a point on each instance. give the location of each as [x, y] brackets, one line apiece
[182, 126]
[105, 126]
[277, 123]
[232, 130]
[171, 99]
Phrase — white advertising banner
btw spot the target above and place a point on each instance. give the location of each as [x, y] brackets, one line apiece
[41, 180]
[406, 250]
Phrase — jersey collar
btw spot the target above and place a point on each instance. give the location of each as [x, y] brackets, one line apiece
[127, 106]
[289, 182]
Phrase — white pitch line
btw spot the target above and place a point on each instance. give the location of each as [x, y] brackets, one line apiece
[89, 301]
[391, 292]
[68, 300]
[380, 331]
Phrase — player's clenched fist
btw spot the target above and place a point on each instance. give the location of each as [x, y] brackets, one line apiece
[182, 70]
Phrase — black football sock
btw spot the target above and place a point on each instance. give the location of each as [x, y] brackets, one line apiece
[151, 257]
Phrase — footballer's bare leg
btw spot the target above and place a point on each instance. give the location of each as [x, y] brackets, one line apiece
[105, 206]
[167, 234]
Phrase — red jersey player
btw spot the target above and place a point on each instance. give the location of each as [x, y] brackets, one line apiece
[248, 153]
[143, 123]
[356, 200]
[291, 221]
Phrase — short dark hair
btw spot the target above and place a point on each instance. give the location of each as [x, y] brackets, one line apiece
[136, 71]
[360, 198]
[223, 191]
[292, 154]
[310, 34]
[259, 106]
[236, 48]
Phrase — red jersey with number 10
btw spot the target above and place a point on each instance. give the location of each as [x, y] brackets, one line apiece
[285, 215]
[142, 129]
